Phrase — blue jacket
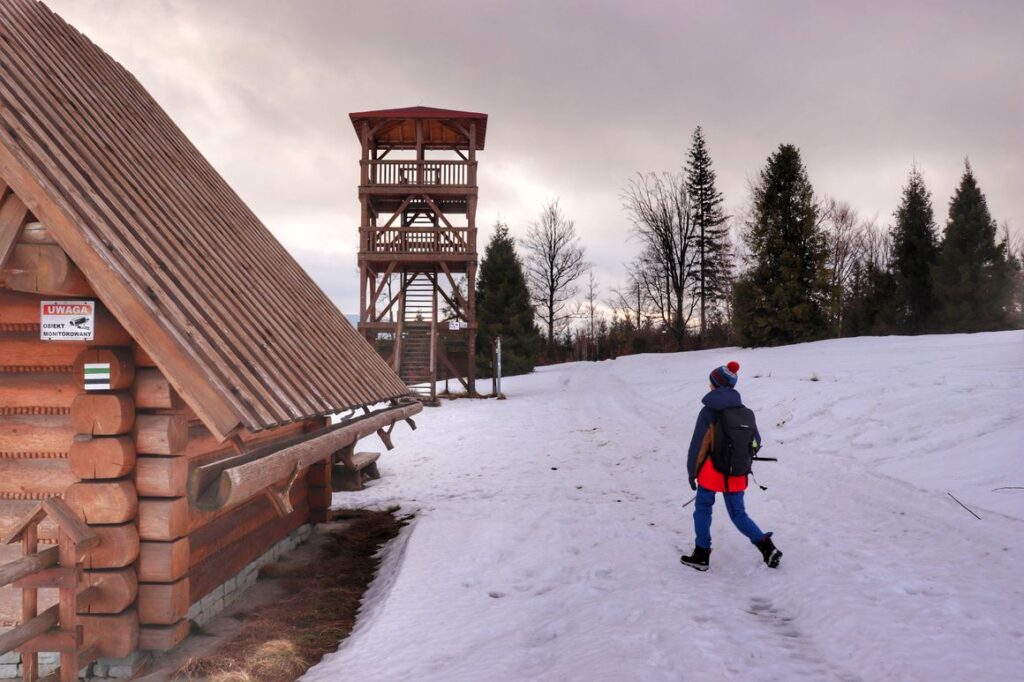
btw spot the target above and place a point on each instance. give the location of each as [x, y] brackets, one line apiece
[714, 402]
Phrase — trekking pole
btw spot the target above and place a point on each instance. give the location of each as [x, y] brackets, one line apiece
[688, 503]
[765, 459]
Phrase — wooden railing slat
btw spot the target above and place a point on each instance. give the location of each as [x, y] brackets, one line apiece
[25, 566]
[14, 638]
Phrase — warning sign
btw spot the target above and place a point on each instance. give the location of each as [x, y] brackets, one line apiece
[67, 320]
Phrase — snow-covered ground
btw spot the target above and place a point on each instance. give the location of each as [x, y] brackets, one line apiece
[549, 526]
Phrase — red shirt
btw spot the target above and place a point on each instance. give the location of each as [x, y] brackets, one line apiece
[711, 478]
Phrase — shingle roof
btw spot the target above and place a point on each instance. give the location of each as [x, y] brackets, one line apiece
[426, 114]
[229, 316]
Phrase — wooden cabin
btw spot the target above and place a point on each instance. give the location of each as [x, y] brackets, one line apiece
[168, 372]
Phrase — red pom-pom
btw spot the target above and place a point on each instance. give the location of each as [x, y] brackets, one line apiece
[733, 366]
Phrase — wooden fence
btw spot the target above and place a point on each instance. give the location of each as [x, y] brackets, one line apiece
[57, 628]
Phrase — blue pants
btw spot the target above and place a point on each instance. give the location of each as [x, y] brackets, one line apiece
[734, 504]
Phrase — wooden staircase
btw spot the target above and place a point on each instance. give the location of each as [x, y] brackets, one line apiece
[416, 361]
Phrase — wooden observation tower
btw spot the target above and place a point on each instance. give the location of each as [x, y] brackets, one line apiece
[417, 246]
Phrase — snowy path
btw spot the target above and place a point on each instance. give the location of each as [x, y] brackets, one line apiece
[549, 525]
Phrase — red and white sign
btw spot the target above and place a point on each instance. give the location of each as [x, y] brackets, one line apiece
[67, 320]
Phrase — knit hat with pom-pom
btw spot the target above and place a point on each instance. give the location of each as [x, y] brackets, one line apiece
[725, 376]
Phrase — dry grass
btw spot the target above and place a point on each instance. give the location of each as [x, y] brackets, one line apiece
[280, 641]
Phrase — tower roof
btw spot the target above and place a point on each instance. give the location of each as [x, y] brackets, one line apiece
[226, 313]
[446, 127]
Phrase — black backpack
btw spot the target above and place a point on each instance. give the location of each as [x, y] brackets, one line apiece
[734, 448]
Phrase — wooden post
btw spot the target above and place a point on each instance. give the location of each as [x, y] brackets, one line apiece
[68, 611]
[30, 604]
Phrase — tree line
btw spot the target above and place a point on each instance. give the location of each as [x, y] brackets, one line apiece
[795, 267]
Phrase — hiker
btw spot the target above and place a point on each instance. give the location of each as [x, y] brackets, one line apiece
[707, 479]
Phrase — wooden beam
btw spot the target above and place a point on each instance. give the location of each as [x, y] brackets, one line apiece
[13, 214]
[103, 414]
[37, 435]
[161, 434]
[113, 636]
[102, 457]
[20, 568]
[230, 482]
[120, 360]
[163, 603]
[161, 476]
[44, 269]
[163, 562]
[103, 502]
[118, 546]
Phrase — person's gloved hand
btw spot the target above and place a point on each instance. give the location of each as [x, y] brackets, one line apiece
[693, 483]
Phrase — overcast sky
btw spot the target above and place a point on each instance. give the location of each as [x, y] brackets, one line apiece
[581, 95]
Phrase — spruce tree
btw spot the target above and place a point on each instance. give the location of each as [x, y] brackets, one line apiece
[914, 251]
[713, 263]
[973, 278]
[503, 308]
[785, 295]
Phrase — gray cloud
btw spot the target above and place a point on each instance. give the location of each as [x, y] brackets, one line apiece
[581, 95]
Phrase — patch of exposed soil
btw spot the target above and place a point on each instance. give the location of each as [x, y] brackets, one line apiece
[299, 610]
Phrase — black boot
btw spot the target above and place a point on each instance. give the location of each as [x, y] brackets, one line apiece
[698, 560]
[770, 553]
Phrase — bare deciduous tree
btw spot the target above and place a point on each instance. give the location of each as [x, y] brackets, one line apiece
[554, 263]
[662, 218]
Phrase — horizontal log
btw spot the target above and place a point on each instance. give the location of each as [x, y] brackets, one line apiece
[152, 391]
[25, 350]
[102, 456]
[120, 361]
[103, 502]
[163, 562]
[115, 590]
[225, 484]
[160, 434]
[163, 603]
[49, 578]
[20, 391]
[103, 414]
[12, 639]
[161, 476]
[224, 529]
[34, 478]
[35, 434]
[114, 636]
[54, 640]
[118, 547]
[163, 637]
[36, 233]
[163, 519]
[19, 568]
[44, 269]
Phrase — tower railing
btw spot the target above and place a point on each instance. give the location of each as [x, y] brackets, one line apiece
[399, 240]
[443, 173]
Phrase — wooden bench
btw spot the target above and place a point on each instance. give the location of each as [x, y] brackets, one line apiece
[353, 469]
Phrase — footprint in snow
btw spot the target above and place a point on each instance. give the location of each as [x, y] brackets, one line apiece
[800, 648]
[495, 595]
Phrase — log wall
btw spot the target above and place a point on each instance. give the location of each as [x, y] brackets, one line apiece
[121, 458]
[53, 437]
